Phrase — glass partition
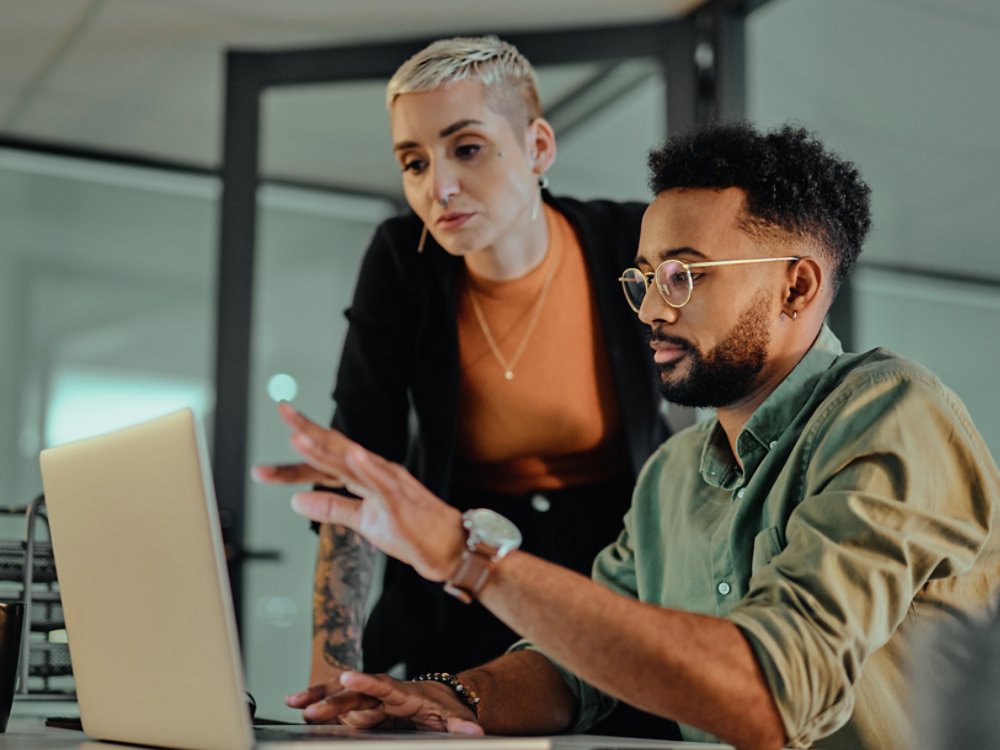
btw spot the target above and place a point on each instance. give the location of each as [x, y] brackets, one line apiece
[107, 277]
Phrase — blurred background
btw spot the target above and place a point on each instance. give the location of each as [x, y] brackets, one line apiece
[117, 305]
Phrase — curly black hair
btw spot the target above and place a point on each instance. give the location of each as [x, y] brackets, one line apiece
[792, 182]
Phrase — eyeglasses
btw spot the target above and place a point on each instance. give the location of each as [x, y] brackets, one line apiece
[674, 279]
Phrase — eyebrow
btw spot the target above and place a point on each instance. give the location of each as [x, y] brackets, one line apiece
[444, 133]
[671, 253]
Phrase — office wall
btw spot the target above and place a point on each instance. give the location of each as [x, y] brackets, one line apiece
[107, 289]
[108, 276]
[908, 91]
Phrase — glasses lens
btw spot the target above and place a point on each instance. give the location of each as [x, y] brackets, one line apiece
[634, 286]
[674, 282]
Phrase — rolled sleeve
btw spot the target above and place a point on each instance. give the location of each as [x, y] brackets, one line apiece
[592, 705]
[895, 506]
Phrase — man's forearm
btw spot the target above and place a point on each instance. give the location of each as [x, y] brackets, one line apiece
[344, 566]
[521, 693]
[693, 668]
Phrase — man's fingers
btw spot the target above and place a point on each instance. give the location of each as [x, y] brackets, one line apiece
[305, 426]
[373, 471]
[325, 458]
[378, 686]
[292, 474]
[327, 507]
[336, 708]
[311, 695]
[456, 725]
[365, 719]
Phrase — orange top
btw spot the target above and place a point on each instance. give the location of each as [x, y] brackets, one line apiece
[556, 422]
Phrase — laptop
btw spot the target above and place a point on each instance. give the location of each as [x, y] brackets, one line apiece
[149, 615]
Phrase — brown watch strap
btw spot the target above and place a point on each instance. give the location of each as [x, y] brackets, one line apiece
[473, 569]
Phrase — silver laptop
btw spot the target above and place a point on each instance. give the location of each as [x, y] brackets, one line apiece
[149, 616]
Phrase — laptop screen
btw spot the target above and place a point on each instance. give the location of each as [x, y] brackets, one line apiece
[144, 587]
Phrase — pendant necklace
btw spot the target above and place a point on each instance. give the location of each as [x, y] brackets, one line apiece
[505, 364]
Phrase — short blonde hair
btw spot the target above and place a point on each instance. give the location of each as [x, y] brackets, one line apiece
[511, 85]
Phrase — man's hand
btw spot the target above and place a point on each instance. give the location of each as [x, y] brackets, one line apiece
[396, 513]
[363, 701]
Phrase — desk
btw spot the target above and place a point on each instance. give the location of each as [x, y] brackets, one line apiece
[27, 731]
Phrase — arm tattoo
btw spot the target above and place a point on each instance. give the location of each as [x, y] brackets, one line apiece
[344, 567]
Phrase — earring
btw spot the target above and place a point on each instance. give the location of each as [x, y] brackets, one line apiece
[543, 184]
[423, 238]
[795, 314]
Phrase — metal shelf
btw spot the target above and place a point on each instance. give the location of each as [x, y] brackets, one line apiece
[30, 564]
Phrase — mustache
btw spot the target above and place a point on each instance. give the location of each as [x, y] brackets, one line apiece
[658, 336]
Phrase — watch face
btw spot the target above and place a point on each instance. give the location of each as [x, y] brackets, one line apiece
[490, 527]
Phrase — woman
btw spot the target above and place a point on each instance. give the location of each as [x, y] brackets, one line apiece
[489, 348]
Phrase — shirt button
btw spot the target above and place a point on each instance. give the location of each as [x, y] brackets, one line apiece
[741, 493]
[772, 444]
[724, 588]
[540, 503]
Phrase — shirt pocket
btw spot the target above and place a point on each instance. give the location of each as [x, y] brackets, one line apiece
[766, 545]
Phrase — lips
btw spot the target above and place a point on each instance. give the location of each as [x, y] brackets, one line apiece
[666, 353]
[453, 219]
[667, 349]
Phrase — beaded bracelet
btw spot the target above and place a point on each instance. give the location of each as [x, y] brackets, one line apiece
[463, 691]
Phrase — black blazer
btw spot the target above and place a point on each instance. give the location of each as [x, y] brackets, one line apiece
[401, 346]
[401, 349]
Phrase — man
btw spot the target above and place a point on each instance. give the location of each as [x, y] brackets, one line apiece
[776, 558]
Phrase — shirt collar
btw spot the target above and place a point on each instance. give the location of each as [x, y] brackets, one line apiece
[771, 418]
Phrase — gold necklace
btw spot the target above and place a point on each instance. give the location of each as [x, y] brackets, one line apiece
[508, 367]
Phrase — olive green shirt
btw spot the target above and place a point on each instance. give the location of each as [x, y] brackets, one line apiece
[862, 510]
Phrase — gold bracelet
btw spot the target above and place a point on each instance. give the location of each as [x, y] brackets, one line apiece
[463, 691]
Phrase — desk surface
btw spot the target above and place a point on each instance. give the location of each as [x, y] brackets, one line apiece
[27, 731]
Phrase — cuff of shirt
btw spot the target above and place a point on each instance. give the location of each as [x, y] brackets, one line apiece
[591, 704]
[768, 638]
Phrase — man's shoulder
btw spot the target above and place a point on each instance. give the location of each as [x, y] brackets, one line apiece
[880, 381]
[855, 373]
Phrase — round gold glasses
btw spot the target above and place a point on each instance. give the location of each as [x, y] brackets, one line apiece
[674, 279]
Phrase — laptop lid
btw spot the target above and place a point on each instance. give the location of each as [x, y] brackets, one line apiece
[144, 588]
[149, 615]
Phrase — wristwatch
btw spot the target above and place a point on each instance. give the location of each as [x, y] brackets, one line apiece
[491, 538]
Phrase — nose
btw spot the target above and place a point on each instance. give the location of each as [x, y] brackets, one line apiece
[444, 183]
[654, 310]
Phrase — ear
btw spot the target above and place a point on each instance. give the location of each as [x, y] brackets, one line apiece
[540, 144]
[804, 283]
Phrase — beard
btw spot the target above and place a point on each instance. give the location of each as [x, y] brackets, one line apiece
[728, 372]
